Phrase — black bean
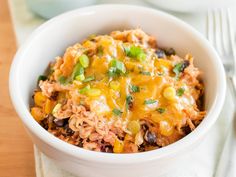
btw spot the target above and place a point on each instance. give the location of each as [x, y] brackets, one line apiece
[186, 130]
[144, 127]
[59, 122]
[170, 52]
[93, 40]
[68, 130]
[184, 65]
[54, 95]
[107, 148]
[44, 123]
[160, 53]
[80, 144]
[141, 148]
[150, 137]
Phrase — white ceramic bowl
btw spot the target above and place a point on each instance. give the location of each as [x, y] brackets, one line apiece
[52, 38]
[191, 6]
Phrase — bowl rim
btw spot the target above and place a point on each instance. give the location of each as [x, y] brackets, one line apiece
[111, 158]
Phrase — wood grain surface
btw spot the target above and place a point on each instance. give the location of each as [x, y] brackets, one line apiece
[16, 149]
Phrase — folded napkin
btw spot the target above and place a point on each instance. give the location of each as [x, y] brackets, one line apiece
[201, 162]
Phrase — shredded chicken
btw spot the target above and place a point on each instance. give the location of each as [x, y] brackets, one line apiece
[127, 109]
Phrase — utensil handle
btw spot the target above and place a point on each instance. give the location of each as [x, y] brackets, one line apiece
[232, 87]
[227, 163]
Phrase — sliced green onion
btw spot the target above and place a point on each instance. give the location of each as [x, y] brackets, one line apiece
[135, 52]
[117, 112]
[112, 72]
[118, 65]
[180, 67]
[42, 78]
[126, 50]
[80, 77]
[62, 79]
[177, 69]
[93, 92]
[142, 57]
[150, 101]
[180, 91]
[84, 90]
[78, 70]
[161, 110]
[89, 78]
[134, 88]
[116, 68]
[84, 60]
[129, 101]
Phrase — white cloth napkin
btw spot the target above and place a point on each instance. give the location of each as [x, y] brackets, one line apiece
[201, 162]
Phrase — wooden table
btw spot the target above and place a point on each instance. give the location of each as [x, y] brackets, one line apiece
[16, 149]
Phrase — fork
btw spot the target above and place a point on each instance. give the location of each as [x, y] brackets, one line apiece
[221, 36]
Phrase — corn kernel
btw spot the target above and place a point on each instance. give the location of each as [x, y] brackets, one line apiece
[118, 146]
[169, 93]
[93, 92]
[49, 105]
[165, 128]
[56, 108]
[88, 44]
[84, 60]
[133, 127]
[128, 137]
[39, 99]
[37, 113]
[115, 85]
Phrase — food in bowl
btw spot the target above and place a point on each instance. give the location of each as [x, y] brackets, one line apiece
[120, 93]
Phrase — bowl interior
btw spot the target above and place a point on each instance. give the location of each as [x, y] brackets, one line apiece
[55, 36]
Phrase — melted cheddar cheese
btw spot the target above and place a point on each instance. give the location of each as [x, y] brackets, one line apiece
[124, 77]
